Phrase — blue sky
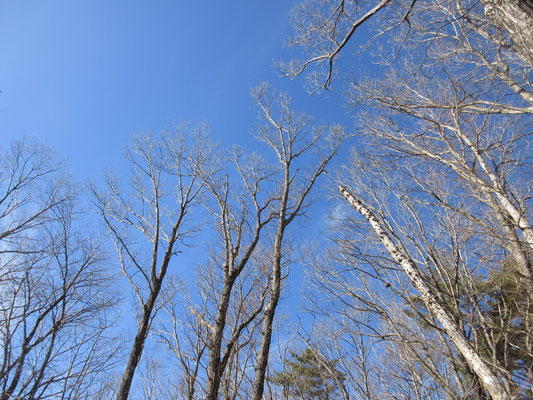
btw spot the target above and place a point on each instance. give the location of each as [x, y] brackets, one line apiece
[83, 76]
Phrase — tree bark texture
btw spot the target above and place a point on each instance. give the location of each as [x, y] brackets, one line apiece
[215, 367]
[138, 345]
[516, 17]
[489, 378]
[270, 309]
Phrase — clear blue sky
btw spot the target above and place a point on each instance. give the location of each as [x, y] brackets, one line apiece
[82, 76]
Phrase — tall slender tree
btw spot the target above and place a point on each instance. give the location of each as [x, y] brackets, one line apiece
[293, 140]
[150, 221]
[443, 143]
[56, 302]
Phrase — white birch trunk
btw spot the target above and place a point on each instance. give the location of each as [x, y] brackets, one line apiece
[490, 380]
[515, 16]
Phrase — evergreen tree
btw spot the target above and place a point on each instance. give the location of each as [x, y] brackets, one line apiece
[308, 375]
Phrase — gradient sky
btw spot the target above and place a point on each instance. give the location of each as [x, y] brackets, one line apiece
[82, 76]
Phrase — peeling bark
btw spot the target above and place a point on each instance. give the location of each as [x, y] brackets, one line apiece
[490, 379]
[516, 17]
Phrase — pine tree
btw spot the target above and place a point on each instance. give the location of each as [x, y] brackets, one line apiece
[308, 375]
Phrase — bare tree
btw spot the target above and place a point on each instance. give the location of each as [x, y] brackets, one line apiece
[453, 259]
[56, 301]
[187, 333]
[31, 185]
[325, 29]
[157, 380]
[444, 144]
[183, 331]
[240, 286]
[490, 377]
[367, 312]
[231, 285]
[242, 325]
[149, 222]
[453, 254]
[292, 139]
[242, 215]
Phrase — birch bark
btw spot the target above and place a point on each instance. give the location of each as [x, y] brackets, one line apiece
[489, 378]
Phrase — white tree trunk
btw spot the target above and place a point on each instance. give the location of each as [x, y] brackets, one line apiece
[490, 380]
[515, 16]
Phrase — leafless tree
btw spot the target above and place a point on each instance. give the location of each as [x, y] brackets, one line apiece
[326, 29]
[516, 17]
[432, 297]
[374, 323]
[248, 300]
[367, 311]
[31, 185]
[157, 380]
[232, 285]
[454, 261]
[241, 214]
[293, 140]
[56, 301]
[151, 220]
[240, 286]
[183, 332]
[453, 254]
[444, 146]
[187, 330]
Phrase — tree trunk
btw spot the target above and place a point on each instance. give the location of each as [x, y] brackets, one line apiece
[138, 345]
[270, 311]
[489, 378]
[215, 367]
[516, 17]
